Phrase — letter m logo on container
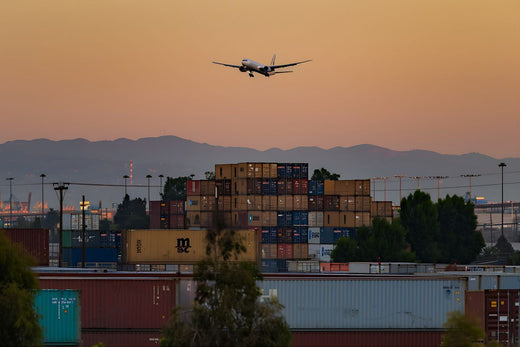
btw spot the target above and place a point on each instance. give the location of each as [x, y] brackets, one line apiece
[183, 245]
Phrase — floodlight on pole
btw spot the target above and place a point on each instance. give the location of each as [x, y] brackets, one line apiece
[148, 177]
[470, 176]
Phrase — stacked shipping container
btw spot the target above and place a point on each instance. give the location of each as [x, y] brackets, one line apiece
[167, 214]
[297, 218]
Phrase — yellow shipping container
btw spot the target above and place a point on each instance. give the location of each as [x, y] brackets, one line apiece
[329, 187]
[164, 246]
[330, 219]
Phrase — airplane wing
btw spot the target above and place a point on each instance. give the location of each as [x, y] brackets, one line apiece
[286, 65]
[230, 65]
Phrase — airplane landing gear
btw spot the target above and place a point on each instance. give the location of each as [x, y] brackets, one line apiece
[251, 75]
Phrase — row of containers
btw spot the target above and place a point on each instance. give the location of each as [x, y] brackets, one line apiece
[262, 170]
[246, 219]
[167, 214]
[117, 306]
[277, 186]
[286, 202]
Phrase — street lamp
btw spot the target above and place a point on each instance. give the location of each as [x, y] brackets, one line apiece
[160, 185]
[400, 177]
[502, 165]
[10, 179]
[43, 200]
[126, 177]
[148, 176]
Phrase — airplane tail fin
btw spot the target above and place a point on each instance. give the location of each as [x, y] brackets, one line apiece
[272, 60]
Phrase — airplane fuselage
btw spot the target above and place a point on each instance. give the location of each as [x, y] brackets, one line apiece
[250, 65]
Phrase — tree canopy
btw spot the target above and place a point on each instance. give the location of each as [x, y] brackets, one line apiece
[442, 232]
[464, 331]
[131, 214]
[174, 189]
[19, 321]
[383, 241]
[324, 174]
[227, 310]
[420, 217]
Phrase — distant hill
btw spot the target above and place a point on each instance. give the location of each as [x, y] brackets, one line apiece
[96, 169]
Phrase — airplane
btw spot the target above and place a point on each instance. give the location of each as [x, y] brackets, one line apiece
[266, 70]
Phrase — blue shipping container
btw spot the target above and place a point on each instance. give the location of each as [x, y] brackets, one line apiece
[316, 187]
[284, 218]
[59, 315]
[327, 235]
[94, 257]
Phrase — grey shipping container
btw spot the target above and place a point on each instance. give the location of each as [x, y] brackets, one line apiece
[362, 303]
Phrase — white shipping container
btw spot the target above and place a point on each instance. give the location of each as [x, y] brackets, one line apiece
[314, 251]
[314, 235]
[316, 219]
[325, 250]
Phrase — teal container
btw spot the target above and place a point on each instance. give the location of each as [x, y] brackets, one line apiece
[60, 316]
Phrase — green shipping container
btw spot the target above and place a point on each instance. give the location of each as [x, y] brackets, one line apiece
[60, 316]
[66, 240]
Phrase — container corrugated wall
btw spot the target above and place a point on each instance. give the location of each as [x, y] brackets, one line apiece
[367, 303]
[59, 316]
[407, 338]
[34, 241]
[114, 302]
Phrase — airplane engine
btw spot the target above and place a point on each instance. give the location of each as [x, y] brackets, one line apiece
[242, 68]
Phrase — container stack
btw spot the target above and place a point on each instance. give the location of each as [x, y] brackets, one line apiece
[102, 248]
[336, 209]
[167, 214]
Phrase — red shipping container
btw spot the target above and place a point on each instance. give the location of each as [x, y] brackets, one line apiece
[285, 251]
[111, 301]
[404, 338]
[176, 221]
[34, 241]
[177, 206]
[192, 187]
[121, 338]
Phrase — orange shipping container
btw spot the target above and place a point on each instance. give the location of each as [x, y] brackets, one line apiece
[341, 187]
[363, 203]
[224, 203]
[240, 170]
[329, 187]
[347, 219]
[300, 251]
[269, 251]
[176, 246]
[363, 218]
[269, 203]
[363, 187]
[193, 203]
[347, 203]
[223, 171]
[207, 203]
[207, 219]
[285, 202]
[330, 219]
[300, 202]
[207, 187]
[193, 219]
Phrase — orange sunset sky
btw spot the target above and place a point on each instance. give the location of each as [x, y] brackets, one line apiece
[442, 75]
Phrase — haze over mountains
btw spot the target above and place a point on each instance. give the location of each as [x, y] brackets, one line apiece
[96, 169]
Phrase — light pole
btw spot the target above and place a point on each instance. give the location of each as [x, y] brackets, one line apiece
[10, 179]
[148, 176]
[400, 177]
[502, 165]
[126, 177]
[438, 178]
[418, 178]
[160, 185]
[43, 200]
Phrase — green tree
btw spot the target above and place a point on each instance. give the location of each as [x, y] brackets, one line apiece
[459, 240]
[19, 321]
[227, 310]
[463, 331]
[324, 174]
[383, 240]
[345, 250]
[131, 214]
[174, 189]
[419, 216]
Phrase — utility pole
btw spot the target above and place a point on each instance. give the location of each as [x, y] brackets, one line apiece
[10, 179]
[43, 200]
[126, 177]
[418, 178]
[502, 165]
[60, 187]
[83, 225]
[148, 177]
[438, 178]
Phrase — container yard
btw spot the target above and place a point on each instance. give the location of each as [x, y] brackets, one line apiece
[34, 241]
